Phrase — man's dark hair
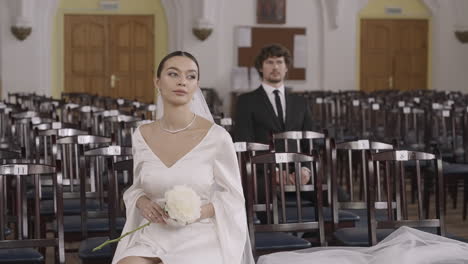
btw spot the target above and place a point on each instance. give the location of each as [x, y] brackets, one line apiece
[176, 54]
[273, 50]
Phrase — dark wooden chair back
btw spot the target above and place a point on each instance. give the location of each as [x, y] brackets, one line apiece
[26, 222]
[349, 166]
[244, 152]
[71, 150]
[274, 206]
[291, 140]
[108, 193]
[115, 125]
[398, 163]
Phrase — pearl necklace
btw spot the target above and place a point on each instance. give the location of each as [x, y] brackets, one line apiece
[180, 129]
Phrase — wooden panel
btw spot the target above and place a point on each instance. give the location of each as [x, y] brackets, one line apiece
[393, 54]
[410, 52]
[133, 57]
[98, 46]
[264, 36]
[85, 54]
[376, 57]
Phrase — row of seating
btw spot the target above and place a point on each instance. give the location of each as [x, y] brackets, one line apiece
[276, 208]
[91, 152]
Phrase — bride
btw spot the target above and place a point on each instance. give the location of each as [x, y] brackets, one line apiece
[184, 147]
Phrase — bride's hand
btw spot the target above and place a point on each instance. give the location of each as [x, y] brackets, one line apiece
[151, 210]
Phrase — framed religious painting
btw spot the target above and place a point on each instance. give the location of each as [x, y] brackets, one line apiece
[271, 11]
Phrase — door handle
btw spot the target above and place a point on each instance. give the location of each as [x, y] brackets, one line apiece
[390, 82]
[113, 80]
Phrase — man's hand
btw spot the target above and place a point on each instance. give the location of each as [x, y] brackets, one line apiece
[290, 179]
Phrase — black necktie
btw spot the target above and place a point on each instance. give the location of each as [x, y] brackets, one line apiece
[279, 108]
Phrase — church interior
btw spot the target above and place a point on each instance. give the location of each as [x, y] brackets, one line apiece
[385, 83]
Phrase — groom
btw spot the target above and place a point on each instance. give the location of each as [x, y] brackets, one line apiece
[270, 108]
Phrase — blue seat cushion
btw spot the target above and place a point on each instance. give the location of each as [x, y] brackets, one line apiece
[72, 224]
[422, 164]
[358, 236]
[380, 215]
[7, 231]
[86, 249]
[20, 255]
[120, 179]
[454, 168]
[279, 241]
[47, 192]
[71, 206]
[308, 215]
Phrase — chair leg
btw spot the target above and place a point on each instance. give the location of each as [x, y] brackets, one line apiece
[465, 198]
[414, 187]
[428, 185]
[454, 193]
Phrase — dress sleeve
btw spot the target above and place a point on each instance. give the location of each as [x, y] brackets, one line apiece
[135, 191]
[229, 205]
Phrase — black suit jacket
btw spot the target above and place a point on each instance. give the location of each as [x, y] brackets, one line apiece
[256, 120]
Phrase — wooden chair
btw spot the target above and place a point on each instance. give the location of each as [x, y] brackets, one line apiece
[349, 163]
[245, 151]
[5, 122]
[45, 140]
[78, 98]
[302, 142]
[296, 138]
[107, 222]
[115, 125]
[87, 118]
[26, 238]
[145, 111]
[6, 155]
[272, 235]
[456, 174]
[395, 189]
[70, 151]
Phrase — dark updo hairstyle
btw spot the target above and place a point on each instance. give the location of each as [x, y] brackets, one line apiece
[175, 54]
[273, 50]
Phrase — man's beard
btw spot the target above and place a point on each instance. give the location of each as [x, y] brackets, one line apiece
[274, 80]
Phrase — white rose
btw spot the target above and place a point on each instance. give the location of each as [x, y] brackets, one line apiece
[182, 204]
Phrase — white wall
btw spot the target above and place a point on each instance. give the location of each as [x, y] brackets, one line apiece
[217, 55]
[340, 49]
[331, 62]
[25, 65]
[450, 60]
[2, 11]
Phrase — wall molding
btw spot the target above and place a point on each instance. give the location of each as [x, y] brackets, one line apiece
[47, 22]
[432, 5]
[321, 44]
[331, 7]
[175, 23]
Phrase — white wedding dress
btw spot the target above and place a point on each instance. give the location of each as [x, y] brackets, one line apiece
[210, 169]
[404, 246]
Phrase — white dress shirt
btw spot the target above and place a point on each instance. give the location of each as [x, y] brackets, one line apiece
[269, 91]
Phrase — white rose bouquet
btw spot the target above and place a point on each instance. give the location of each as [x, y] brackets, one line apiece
[182, 204]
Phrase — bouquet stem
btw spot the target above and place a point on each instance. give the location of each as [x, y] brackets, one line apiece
[119, 238]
